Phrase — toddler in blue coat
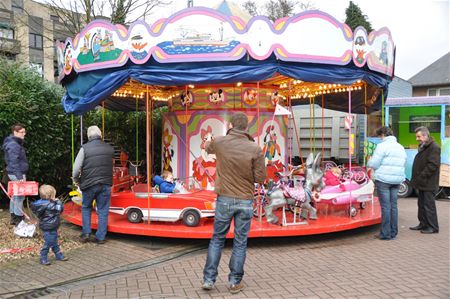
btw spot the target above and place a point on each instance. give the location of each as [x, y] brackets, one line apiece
[48, 210]
[165, 182]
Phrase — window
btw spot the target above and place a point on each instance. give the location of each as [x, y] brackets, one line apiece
[444, 92]
[54, 18]
[36, 41]
[432, 122]
[38, 68]
[7, 33]
[17, 5]
[439, 91]
[432, 92]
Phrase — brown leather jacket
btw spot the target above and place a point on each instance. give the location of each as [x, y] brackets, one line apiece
[239, 164]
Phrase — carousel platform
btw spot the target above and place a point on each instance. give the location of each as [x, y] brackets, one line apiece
[331, 218]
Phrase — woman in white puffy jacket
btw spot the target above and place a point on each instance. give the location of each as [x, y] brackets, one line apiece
[388, 161]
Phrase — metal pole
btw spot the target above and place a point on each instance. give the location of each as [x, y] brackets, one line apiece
[149, 175]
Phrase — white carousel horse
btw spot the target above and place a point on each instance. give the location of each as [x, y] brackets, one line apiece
[299, 196]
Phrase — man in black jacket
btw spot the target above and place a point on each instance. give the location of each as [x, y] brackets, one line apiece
[93, 172]
[425, 178]
[16, 167]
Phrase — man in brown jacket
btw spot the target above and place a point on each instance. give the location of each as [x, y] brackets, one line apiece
[239, 165]
[425, 178]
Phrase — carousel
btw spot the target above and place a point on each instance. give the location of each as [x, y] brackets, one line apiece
[204, 65]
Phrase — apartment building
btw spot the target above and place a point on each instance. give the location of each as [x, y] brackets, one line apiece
[28, 31]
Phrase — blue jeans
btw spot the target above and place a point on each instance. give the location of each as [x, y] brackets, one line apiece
[102, 195]
[388, 194]
[16, 206]
[227, 209]
[50, 241]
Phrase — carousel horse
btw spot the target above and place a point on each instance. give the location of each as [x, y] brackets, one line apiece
[281, 194]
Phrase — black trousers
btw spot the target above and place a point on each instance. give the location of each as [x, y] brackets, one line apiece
[427, 210]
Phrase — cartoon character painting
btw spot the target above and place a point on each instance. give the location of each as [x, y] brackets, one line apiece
[60, 57]
[384, 53]
[217, 96]
[204, 167]
[186, 98]
[271, 148]
[68, 57]
[250, 96]
[275, 98]
[96, 45]
[167, 150]
[360, 44]
[107, 42]
[137, 46]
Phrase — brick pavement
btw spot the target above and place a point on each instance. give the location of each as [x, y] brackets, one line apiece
[342, 265]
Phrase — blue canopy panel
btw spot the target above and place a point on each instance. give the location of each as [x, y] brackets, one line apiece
[88, 89]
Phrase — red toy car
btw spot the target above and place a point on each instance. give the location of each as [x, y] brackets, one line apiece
[190, 206]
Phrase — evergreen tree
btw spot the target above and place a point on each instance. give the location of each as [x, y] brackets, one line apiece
[356, 18]
[119, 14]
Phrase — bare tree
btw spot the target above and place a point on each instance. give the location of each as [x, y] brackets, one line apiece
[77, 13]
[251, 7]
[275, 9]
[307, 6]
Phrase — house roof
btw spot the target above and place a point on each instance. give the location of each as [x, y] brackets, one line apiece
[437, 73]
[418, 101]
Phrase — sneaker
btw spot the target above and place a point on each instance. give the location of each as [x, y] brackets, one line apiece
[99, 242]
[84, 238]
[207, 285]
[61, 257]
[377, 236]
[45, 262]
[236, 288]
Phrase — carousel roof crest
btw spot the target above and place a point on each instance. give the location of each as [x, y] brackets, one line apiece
[203, 34]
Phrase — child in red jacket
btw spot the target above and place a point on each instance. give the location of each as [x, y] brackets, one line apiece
[333, 177]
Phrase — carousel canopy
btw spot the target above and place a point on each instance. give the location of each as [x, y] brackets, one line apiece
[301, 56]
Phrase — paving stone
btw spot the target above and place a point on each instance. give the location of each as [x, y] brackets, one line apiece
[340, 265]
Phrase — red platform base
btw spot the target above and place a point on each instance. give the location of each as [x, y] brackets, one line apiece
[331, 218]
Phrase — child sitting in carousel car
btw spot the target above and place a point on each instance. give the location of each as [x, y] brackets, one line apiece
[332, 177]
[165, 182]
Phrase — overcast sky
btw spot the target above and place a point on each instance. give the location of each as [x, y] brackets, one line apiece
[420, 28]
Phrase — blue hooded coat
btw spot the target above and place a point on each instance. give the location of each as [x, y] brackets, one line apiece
[15, 157]
[48, 212]
[164, 186]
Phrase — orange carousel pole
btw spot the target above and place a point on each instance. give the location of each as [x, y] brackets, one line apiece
[149, 175]
[186, 173]
[103, 120]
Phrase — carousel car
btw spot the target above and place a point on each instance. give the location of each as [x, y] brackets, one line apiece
[189, 206]
[357, 187]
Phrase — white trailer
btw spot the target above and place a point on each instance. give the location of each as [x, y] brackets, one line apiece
[309, 122]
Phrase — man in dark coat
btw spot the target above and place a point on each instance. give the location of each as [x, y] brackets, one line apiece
[93, 172]
[16, 167]
[425, 178]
